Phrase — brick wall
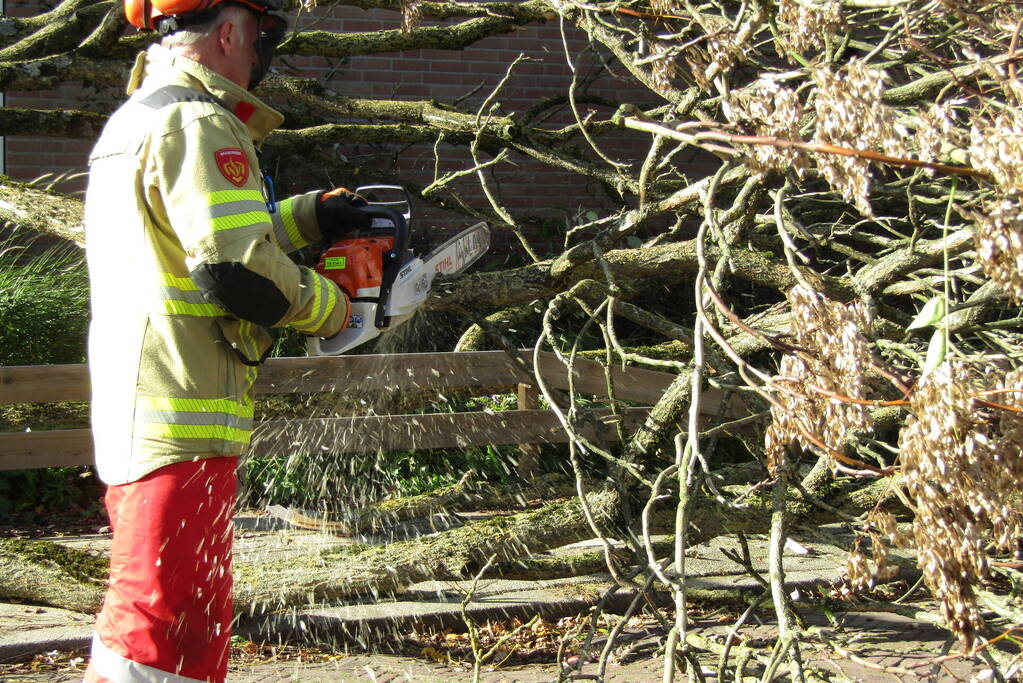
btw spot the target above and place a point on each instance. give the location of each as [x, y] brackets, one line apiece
[467, 77]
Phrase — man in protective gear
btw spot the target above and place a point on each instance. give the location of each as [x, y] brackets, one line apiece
[188, 267]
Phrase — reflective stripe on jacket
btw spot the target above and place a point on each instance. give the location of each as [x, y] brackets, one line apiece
[187, 266]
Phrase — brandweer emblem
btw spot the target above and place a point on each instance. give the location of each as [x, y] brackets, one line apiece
[233, 164]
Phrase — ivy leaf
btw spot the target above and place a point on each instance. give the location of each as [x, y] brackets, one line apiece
[936, 351]
[932, 313]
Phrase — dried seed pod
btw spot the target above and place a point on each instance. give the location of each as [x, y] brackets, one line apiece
[838, 353]
[664, 69]
[999, 240]
[935, 129]
[411, 15]
[850, 115]
[957, 471]
[723, 49]
[996, 147]
[665, 7]
[773, 111]
[1009, 434]
[717, 52]
[865, 571]
[807, 24]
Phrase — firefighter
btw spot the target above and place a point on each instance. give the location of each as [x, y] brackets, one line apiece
[186, 247]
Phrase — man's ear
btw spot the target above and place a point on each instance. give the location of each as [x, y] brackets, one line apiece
[228, 37]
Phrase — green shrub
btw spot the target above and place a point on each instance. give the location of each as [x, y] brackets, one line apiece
[329, 481]
[50, 493]
[44, 319]
[44, 304]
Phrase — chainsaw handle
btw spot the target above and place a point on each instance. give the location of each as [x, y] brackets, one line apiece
[392, 259]
[401, 233]
[402, 205]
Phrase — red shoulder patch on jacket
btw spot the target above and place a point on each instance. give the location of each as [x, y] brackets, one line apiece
[244, 110]
[233, 164]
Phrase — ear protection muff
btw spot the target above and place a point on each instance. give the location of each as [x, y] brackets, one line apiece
[144, 13]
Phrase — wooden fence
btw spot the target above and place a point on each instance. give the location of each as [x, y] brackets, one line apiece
[365, 374]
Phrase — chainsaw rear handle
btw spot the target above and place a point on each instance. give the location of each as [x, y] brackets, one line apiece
[392, 258]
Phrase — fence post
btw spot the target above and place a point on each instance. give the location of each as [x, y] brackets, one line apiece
[529, 453]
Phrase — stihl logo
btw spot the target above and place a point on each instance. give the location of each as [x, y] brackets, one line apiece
[472, 245]
[233, 164]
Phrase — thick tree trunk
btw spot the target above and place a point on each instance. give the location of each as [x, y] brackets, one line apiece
[41, 571]
[33, 208]
[463, 495]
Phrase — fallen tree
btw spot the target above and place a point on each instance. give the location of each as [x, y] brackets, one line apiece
[46, 572]
[853, 245]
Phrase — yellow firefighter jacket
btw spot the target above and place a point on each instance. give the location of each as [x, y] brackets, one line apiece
[188, 267]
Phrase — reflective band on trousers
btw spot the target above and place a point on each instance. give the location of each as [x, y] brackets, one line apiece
[118, 669]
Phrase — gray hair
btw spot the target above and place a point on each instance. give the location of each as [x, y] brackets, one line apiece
[199, 32]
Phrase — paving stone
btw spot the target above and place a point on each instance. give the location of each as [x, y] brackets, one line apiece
[26, 630]
[884, 640]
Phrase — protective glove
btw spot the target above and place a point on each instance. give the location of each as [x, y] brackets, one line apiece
[338, 214]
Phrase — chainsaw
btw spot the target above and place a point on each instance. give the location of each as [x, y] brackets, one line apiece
[384, 280]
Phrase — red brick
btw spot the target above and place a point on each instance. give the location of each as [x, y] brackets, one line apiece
[445, 75]
[363, 26]
[412, 90]
[373, 76]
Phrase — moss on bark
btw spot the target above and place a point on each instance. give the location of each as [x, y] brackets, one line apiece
[53, 574]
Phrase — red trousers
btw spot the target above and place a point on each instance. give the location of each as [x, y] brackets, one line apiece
[167, 614]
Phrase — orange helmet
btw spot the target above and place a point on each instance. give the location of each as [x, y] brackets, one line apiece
[146, 14]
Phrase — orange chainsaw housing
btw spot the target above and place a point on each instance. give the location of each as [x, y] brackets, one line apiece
[355, 264]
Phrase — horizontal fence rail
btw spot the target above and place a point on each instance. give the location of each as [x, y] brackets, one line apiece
[362, 374]
[383, 372]
[434, 430]
[67, 447]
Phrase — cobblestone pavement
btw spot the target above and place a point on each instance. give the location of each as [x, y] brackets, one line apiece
[383, 670]
[881, 646]
[887, 651]
[887, 648]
